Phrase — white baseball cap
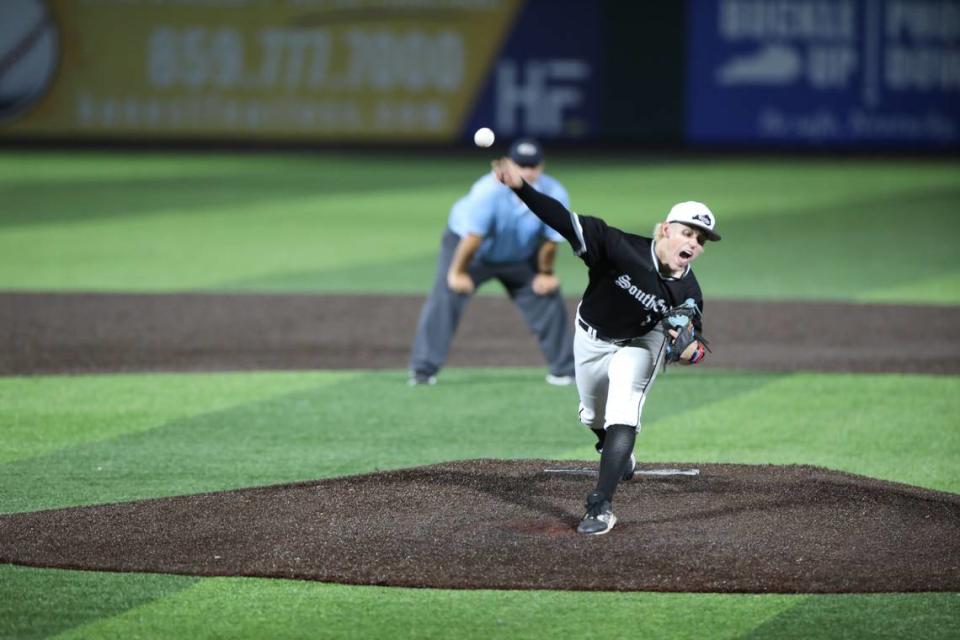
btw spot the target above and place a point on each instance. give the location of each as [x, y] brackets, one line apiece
[695, 214]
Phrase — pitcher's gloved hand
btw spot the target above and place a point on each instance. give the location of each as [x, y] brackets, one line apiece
[680, 332]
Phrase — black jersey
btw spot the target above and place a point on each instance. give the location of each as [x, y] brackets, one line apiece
[626, 295]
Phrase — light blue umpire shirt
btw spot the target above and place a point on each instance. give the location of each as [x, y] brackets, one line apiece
[510, 231]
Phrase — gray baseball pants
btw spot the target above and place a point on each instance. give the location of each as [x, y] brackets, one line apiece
[613, 380]
[546, 316]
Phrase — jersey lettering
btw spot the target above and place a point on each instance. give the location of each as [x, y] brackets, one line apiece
[648, 300]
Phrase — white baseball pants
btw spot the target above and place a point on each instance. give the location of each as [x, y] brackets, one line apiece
[613, 380]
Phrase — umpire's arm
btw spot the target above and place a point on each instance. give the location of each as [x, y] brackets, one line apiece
[458, 279]
[546, 282]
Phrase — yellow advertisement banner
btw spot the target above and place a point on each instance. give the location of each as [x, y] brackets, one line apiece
[334, 70]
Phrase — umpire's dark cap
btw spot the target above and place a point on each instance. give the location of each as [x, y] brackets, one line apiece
[526, 152]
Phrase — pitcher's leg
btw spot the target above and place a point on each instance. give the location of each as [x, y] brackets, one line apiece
[592, 360]
[632, 372]
[617, 449]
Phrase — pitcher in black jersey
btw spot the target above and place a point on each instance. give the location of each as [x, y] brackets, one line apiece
[618, 345]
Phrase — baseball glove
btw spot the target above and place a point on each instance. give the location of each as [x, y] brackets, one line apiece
[680, 319]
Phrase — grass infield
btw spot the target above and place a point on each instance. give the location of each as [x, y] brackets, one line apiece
[793, 228]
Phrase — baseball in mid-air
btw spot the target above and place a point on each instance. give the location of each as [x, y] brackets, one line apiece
[483, 137]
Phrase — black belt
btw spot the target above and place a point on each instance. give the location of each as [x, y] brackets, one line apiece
[599, 336]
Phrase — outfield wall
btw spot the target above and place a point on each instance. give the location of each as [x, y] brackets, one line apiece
[749, 73]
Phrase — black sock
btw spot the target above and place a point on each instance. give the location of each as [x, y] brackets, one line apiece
[601, 436]
[617, 448]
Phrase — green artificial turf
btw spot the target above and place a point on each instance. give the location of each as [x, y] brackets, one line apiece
[150, 435]
[862, 230]
[75, 604]
[109, 438]
[845, 229]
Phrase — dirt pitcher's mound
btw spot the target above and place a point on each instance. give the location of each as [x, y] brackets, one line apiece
[510, 524]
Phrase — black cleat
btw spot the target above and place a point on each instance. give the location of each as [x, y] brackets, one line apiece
[599, 518]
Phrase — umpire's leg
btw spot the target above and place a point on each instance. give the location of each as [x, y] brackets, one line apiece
[439, 316]
[547, 318]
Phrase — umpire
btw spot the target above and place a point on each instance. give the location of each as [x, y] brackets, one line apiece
[492, 234]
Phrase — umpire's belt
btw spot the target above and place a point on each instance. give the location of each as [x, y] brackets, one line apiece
[593, 333]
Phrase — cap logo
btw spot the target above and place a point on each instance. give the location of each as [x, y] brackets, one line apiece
[526, 149]
[704, 218]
